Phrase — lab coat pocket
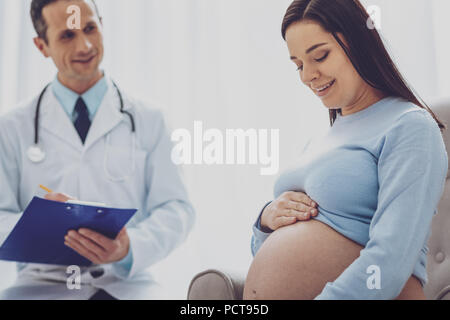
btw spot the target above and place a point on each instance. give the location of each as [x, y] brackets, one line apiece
[122, 164]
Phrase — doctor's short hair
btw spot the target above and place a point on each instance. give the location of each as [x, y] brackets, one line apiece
[39, 23]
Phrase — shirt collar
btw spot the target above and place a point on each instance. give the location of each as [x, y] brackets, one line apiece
[92, 98]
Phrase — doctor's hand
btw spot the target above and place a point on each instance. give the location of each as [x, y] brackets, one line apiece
[96, 247]
[289, 208]
[92, 245]
[60, 197]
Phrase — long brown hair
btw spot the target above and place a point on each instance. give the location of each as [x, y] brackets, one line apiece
[365, 48]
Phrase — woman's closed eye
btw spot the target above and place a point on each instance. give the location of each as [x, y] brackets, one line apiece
[323, 58]
[317, 60]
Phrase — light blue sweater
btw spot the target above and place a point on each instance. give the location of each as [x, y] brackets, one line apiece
[377, 176]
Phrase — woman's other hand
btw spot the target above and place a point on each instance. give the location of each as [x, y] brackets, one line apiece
[289, 208]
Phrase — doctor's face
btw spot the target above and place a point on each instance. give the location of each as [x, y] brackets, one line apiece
[325, 68]
[77, 53]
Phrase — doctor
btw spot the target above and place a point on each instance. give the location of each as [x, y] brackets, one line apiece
[91, 141]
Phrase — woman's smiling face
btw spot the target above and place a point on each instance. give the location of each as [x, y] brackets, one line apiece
[325, 68]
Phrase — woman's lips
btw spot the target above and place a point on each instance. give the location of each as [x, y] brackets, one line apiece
[326, 91]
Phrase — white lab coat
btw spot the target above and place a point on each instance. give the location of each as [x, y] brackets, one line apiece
[165, 215]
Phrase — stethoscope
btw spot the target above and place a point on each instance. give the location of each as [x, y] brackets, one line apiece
[37, 155]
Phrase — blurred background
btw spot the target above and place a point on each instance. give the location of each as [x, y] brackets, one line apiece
[223, 63]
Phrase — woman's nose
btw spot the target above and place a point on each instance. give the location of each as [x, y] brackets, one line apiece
[309, 75]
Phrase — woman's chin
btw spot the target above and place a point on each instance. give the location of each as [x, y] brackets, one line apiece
[330, 103]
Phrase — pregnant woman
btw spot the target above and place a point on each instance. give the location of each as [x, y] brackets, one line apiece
[375, 177]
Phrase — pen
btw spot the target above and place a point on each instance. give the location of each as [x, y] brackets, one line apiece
[73, 201]
[46, 189]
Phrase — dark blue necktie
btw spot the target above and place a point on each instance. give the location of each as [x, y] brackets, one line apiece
[82, 123]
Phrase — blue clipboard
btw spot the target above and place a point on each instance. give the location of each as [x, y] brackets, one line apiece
[38, 237]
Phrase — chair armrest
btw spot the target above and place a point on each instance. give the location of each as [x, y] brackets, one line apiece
[217, 285]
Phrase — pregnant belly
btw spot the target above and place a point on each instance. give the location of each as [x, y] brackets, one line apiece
[297, 261]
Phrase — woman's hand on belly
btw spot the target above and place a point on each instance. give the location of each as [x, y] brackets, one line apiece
[287, 209]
